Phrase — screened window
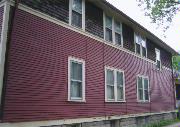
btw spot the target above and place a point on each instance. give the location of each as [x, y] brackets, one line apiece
[143, 88]
[115, 89]
[140, 45]
[158, 59]
[76, 13]
[76, 79]
[108, 28]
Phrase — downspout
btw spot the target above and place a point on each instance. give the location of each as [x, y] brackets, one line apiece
[11, 22]
[173, 82]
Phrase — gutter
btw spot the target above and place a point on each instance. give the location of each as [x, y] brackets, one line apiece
[11, 22]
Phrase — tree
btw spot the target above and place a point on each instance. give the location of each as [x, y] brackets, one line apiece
[160, 11]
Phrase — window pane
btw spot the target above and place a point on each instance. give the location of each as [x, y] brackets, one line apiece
[76, 89]
[146, 95]
[118, 38]
[143, 51]
[140, 83]
[158, 64]
[110, 92]
[76, 19]
[138, 50]
[108, 22]
[108, 34]
[110, 77]
[143, 43]
[117, 27]
[146, 84]
[76, 71]
[120, 78]
[77, 6]
[140, 94]
[120, 93]
[157, 55]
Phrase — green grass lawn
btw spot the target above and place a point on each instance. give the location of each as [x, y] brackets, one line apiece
[163, 123]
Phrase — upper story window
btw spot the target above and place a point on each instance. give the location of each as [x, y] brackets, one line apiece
[158, 58]
[115, 85]
[143, 89]
[118, 32]
[77, 13]
[76, 79]
[140, 45]
[108, 29]
[113, 30]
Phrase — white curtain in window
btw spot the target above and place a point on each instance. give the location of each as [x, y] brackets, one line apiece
[77, 6]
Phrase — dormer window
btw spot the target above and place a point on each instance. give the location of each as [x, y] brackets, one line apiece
[140, 45]
[158, 59]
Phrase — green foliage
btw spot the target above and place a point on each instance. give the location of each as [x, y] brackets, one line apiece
[163, 123]
[160, 11]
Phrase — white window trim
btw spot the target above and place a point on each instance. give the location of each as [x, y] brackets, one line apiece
[115, 85]
[70, 58]
[136, 34]
[113, 30]
[83, 14]
[143, 77]
[159, 58]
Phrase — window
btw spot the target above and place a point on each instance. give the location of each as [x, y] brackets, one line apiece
[143, 89]
[140, 45]
[118, 32]
[115, 86]
[76, 80]
[158, 59]
[108, 28]
[113, 30]
[77, 13]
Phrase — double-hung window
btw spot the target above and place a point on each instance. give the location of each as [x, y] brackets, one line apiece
[77, 13]
[108, 29]
[143, 89]
[114, 85]
[140, 45]
[118, 32]
[113, 30]
[158, 59]
[76, 79]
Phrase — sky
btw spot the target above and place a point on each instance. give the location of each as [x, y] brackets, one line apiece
[130, 8]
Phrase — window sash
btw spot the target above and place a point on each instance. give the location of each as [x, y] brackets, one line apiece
[77, 6]
[143, 91]
[115, 92]
[76, 79]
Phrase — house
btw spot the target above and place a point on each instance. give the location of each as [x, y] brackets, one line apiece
[72, 63]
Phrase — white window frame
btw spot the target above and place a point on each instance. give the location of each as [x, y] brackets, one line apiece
[83, 14]
[143, 77]
[115, 85]
[157, 50]
[135, 41]
[69, 79]
[113, 30]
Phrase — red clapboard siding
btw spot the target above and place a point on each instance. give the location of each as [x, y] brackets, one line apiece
[38, 70]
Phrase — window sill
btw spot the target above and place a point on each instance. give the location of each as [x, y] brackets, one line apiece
[78, 101]
[143, 101]
[109, 101]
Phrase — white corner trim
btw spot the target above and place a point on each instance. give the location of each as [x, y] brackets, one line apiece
[81, 31]
[81, 120]
[74, 59]
[3, 43]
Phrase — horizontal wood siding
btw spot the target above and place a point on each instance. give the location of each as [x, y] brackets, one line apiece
[37, 82]
[56, 8]
[94, 20]
[128, 37]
